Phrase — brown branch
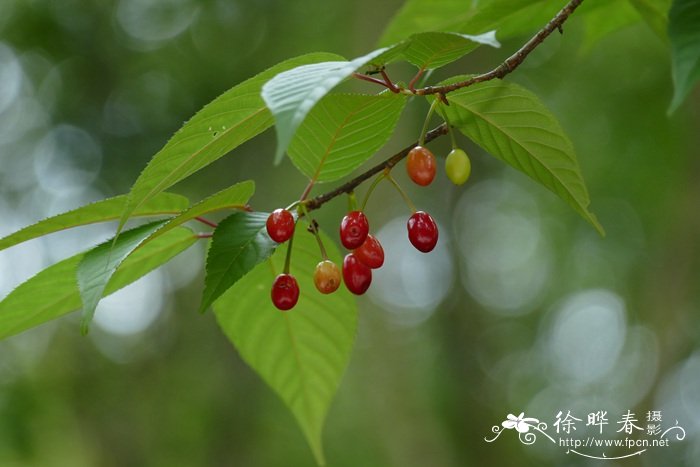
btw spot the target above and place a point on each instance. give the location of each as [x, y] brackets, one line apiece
[392, 87]
[414, 80]
[512, 62]
[318, 201]
[373, 80]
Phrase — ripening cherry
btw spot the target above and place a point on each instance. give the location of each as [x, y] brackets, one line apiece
[370, 253]
[422, 231]
[421, 165]
[356, 275]
[280, 225]
[354, 229]
[285, 292]
[327, 277]
[457, 166]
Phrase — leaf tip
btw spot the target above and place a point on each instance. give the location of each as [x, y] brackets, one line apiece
[596, 224]
[279, 155]
[85, 326]
[675, 103]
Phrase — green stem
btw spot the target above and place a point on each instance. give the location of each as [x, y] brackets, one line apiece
[293, 205]
[352, 201]
[314, 230]
[405, 197]
[452, 136]
[313, 227]
[372, 187]
[421, 140]
[450, 128]
[288, 258]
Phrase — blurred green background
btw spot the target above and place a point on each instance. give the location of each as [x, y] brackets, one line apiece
[522, 307]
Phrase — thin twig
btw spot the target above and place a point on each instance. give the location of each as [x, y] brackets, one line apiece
[373, 80]
[318, 201]
[512, 62]
[388, 82]
[414, 80]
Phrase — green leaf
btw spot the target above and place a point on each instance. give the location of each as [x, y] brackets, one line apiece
[525, 18]
[233, 197]
[512, 124]
[292, 94]
[517, 16]
[54, 291]
[430, 50]
[99, 264]
[228, 121]
[240, 242]
[342, 131]
[655, 13]
[600, 22]
[417, 16]
[684, 32]
[106, 210]
[301, 353]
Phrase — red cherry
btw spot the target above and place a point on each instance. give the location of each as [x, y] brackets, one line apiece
[280, 225]
[370, 253]
[356, 275]
[354, 229]
[422, 231]
[421, 165]
[285, 292]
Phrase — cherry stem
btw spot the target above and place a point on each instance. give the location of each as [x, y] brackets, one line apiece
[313, 228]
[421, 140]
[452, 136]
[204, 235]
[352, 201]
[207, 222]
[405, 197]
[374, 184]
[288, 258]
[450, 128]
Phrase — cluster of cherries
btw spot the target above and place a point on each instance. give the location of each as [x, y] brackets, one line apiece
[366, 252]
